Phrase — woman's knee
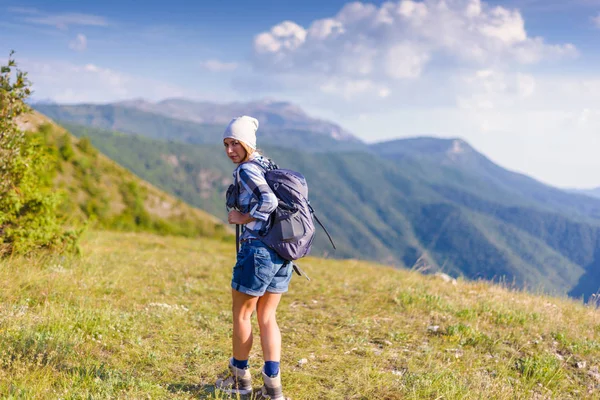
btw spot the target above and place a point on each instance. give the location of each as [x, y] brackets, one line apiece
[266, 320]
[243, 314]
[243, 306]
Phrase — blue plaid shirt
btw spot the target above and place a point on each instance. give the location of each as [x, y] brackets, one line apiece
[255, 195]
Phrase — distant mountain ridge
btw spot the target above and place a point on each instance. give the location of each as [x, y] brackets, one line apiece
[595, 192]
[281, 124]
[484, 178]
[270, 114]
[403, 202]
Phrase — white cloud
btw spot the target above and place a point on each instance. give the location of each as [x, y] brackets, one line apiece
[525, 85]
[596, 20]
[448, 68]
[79, 43]
[555, 146]
[545, 126]
[384, 92]
[218, 66]
[284, 36]
[64, 82]
[352, 88]
[61, 21]
[517, 91]
[401, 41]
[505, 25]
[325, 28]
[23, 10]
[405, 60]
[359, 89]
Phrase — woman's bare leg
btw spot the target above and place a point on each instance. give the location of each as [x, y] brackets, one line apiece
[270, 336]
[243, 306]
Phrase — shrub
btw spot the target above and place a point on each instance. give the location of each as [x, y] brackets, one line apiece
[28, 205]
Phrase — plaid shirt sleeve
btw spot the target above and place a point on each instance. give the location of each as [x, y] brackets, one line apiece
[263, 201]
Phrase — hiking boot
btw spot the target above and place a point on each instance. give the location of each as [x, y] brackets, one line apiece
[237, 381]
[272, 389]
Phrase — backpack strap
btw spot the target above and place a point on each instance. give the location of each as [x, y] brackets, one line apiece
[271, 166]
[237, 191]
[237, 226]
[317, 219]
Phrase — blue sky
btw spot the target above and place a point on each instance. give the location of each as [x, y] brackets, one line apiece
[517, 79]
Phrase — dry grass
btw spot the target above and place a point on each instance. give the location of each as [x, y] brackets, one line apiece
[143, 316]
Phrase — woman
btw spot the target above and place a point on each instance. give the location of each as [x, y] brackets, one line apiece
[260, 275]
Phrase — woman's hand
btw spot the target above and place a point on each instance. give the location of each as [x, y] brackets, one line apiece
[236, 217]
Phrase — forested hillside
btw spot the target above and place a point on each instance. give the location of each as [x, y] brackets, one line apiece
[98, 192]
[404, 212]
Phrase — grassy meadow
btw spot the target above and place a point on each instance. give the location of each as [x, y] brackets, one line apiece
[140, 316]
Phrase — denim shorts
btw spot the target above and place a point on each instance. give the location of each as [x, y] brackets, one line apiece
[259, 269]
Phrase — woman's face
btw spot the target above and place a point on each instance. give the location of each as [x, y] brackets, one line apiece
[234, 150]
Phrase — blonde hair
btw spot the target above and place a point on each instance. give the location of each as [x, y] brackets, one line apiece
[249, 151]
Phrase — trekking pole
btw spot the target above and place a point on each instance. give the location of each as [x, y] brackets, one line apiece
[299, 271]
[237, 235]
[237, 239]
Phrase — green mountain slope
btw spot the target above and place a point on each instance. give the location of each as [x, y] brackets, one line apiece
[129, 119]
[141, 316]
[99, 192]
[464, 168]
[397, 212]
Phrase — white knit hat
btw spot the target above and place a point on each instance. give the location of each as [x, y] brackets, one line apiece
[243, 129]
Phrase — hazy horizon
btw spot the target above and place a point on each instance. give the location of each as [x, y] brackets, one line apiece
[516, 79]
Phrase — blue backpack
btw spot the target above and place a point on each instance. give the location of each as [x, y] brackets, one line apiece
[291, 230]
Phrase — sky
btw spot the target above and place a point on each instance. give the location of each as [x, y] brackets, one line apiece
[517, 79]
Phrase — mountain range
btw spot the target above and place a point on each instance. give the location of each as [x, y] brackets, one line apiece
[595, 192]
[271, 114]
[178, 120]
[431, 203]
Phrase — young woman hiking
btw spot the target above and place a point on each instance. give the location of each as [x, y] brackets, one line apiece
[260, 275]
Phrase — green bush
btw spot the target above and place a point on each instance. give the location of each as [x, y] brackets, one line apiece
[66, 147]
[85, 146]
[28, 205]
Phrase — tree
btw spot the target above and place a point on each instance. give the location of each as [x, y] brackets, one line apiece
[28, 205]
